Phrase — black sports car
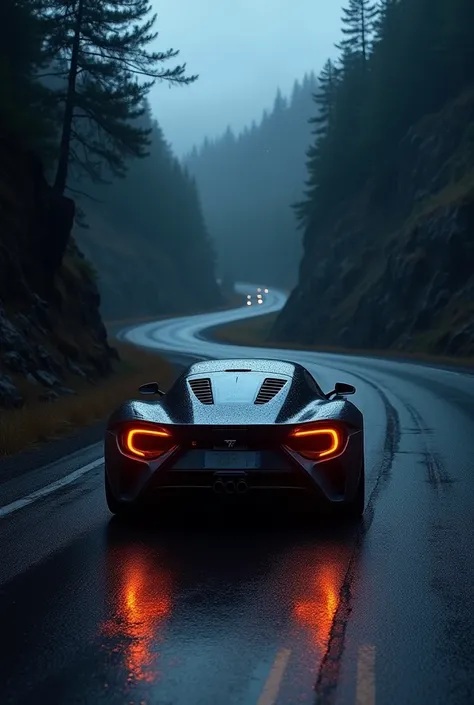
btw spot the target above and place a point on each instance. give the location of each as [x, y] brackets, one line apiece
[235, 431]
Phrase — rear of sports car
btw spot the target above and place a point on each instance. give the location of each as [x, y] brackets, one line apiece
[259, 453]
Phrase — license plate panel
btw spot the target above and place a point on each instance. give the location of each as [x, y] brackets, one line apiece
[231, 460]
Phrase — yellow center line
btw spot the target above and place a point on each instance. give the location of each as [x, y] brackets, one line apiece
[271, 688]
[365, 691]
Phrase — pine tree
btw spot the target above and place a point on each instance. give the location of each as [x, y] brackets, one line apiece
[358, 24]
[280, 104]
[295, 92]
[388, 80]
[100, 50]
[325, 99]
[457, 44]
[21, 57]
[415, 55]
[319, 154]
[334, 161]
[386, 11]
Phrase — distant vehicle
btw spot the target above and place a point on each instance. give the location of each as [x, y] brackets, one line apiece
[266, 291]
[237, 431]
[249, 303]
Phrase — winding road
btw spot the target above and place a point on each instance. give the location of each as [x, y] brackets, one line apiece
[93, 612]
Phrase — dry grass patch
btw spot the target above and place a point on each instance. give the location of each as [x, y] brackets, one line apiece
[39, 421]
[253, 331]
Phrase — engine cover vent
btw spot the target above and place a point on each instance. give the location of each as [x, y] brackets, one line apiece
[269, 389]
[202, 390]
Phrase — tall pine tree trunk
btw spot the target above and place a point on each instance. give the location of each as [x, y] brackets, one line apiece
[63, 159]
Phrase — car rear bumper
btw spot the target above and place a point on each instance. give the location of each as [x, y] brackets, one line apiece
[278, 474]
[187, 503]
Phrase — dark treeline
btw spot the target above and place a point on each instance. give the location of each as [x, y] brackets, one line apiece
[74, 80]
[25, 112]
[247, 184]
[399, 60]
[156, 203]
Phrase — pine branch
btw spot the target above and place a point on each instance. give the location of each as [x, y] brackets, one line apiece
[82, 193]
[102, 49]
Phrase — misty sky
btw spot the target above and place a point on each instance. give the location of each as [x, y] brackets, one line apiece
[243, 50]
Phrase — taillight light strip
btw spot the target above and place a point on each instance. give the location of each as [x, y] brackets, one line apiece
[337, 442]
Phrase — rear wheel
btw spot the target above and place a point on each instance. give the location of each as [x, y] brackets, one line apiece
[354, 510]
[120, 509]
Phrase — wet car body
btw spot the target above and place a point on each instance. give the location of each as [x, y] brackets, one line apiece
[238, 431]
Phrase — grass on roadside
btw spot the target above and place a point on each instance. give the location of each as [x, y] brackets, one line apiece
[255, 332]
[37, 422]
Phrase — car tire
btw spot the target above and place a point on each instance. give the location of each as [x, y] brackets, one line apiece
[354, 510]
[120, 509]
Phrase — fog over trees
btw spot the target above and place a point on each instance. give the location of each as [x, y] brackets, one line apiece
[247, 183]
[158, 203]
[74, 81]
[399, 61]
[388, 209]
[251, 199]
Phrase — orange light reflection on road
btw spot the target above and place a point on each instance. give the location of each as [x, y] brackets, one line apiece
[143, 600]
[316, 610]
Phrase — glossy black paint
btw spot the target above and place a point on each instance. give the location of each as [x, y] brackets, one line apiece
[301, 400]
[222, 399]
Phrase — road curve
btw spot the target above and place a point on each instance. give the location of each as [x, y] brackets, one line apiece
[93, 612]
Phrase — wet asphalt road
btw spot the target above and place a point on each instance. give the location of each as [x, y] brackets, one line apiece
[245, 612]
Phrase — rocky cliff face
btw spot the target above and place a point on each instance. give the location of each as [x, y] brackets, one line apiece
[50, 328]
[396, 270]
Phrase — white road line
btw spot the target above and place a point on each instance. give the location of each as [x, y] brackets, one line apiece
[44, 491]
[272, 686]
[365, 689]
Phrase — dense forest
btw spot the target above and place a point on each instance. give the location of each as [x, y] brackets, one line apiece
[388, 210]
[157, 255]
[247, 183]
[74, 79]
[400, 60]
[383, 204]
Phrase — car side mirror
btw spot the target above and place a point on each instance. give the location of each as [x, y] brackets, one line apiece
[150, 388]
[341, 390]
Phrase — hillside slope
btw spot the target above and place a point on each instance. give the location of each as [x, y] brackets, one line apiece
[148, 239]
[393, 267]
[136, 277]
[50, 326]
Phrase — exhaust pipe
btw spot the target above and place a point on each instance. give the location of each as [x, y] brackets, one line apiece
[229, 487]
[242, 487]
[219, 487]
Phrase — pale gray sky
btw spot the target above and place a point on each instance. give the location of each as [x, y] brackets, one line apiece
[243, 50]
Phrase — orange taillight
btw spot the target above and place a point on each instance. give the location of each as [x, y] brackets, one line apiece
[318, 443]
[146, 443]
